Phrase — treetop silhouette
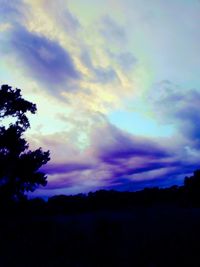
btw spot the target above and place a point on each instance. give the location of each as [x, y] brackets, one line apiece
[12, 104]
[19, 166]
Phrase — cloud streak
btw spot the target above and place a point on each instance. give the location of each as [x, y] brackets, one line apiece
[44, 59]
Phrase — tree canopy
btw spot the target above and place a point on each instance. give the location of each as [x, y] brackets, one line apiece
[19, 166]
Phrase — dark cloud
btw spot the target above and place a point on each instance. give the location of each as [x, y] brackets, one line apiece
[64, 168]
[180, 107]
[44, 59]
[124, 146]
[132, 185]
[187, 115]
[149, 166]
[158, 175]
[61, 182]
[140, 159]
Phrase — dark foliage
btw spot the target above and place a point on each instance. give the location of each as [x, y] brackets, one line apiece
[12, 104]
[187, 195]
[19, 166]
[103, 200]
[106, 228]
[152, 227]
[192, 189]
[193, 183]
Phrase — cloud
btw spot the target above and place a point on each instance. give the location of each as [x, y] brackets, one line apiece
[113, 159]
[119, 144]
[59, 12]
[134, 158]
[126, 60]
[104, 160]
[12, 12]
[100, 74]
[105, 75]
[112, 31]
[44, 59]
[52, 51]
[68, 167]
[159, 175]
[180, 107]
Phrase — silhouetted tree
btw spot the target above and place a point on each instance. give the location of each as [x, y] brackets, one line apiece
[19, 167]
[192, 183]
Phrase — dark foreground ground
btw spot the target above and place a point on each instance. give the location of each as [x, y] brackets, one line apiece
[151, 236]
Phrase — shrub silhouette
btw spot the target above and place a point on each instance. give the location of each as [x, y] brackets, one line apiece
[19, 166]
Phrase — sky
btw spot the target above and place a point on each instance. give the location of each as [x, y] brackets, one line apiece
[117, 89]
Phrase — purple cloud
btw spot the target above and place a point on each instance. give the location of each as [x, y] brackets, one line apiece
[44, 59]
[163, 175]
[12, 12]
[127, 156]
[124, 146]
[59, 168]
[115, 160]
[185, 111]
